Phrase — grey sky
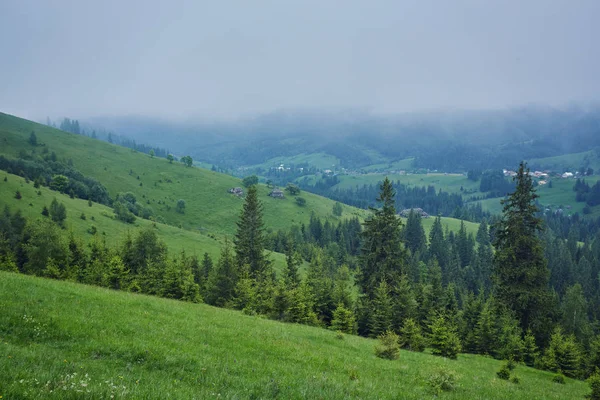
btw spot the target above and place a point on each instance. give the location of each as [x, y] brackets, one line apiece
[232, 58]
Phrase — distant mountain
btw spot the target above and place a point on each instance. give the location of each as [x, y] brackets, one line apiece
[451, 141]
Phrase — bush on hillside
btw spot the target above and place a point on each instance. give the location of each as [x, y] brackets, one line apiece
[388, 347]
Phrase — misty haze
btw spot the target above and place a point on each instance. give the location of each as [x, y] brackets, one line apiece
[300, 199]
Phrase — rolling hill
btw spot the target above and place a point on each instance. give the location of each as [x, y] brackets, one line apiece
[61, 340]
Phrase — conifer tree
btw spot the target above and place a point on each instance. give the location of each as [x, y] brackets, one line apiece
[223, 279]
[485, 331]
[520, 270]
[438, 247]
[117, 273]
[380, 320]
[404, 304]
[205, 270]
[411, 337]
[343, 320]
[382, 257]
[414, 234]
[443, 339]
[530, 349]
[249, 240]
[563, 354]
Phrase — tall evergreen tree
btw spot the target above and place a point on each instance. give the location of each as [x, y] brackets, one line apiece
[382, 257]
[520, 270]
[414, 235]
[223, 279]
[438, 247]
[250, 240]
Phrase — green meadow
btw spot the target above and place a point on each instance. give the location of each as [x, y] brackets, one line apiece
[61, 340]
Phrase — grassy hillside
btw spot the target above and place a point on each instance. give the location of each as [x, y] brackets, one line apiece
[61, 340]
[100, 216]
[569, 162]
[208, 205]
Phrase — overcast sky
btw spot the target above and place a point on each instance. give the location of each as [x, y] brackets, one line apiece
[232, 58]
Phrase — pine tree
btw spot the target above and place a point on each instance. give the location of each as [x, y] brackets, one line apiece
[249, 240]
[443, 338]
[223, 279]
[382, 256]
[404, 304]
[563, 354]
[530, 349]
[380, 320]
[343, 320]
[464, 246]
[411, 337]
[414, 234]
[485, 331]
[520, 270]
[438, 247]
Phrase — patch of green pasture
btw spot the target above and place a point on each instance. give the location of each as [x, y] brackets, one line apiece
[61, 340]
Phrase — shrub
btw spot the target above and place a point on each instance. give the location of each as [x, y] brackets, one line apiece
[515, 379]
[82, 216]
[504, 373]
[388, 347]
[442, 380]
[301, 201]
[339, 335]
[559, 378]
[511, 364]
[594, 382]
[18, 195]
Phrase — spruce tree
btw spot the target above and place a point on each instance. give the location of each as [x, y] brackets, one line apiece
[530, 349]
[249, 240]
[520, 269]
[414, 234]
[382, 256]
[411, 337]
[380, 320]
[443, 338]
[223, 279]
[343, 320]
[438, 247]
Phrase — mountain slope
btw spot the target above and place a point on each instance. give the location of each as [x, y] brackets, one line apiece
[62, 340]
[209, 207]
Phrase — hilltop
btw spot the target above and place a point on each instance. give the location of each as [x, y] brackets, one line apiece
[209, 206]
[70, 341]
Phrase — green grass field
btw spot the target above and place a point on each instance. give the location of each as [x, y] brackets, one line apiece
[100, 216]
[61, 340]
[318, 160]
[209, 207]
[447, 182]
[405, 164]
[569, 162]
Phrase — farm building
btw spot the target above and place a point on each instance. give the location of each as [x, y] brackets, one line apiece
[277, 194]
[419, 211]
[238, 191]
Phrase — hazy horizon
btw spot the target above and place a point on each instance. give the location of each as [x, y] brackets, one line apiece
[186, 60]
